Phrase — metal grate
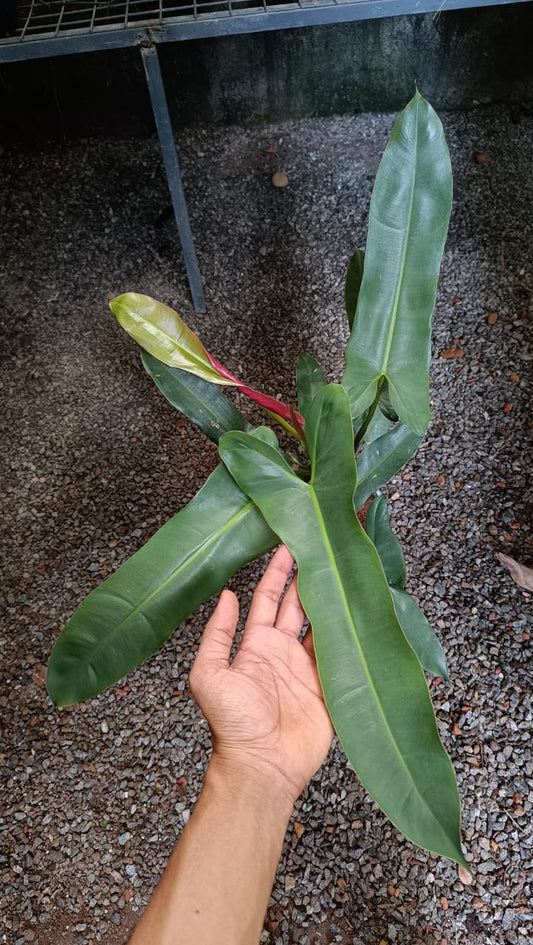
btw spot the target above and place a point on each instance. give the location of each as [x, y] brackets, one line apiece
[55, 18]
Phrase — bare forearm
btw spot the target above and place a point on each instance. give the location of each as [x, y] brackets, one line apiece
[218, 881]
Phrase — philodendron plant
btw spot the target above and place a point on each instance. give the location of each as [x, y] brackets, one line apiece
[372, 641]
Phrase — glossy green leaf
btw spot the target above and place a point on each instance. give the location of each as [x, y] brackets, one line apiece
[373, 684]
[309, 380]
[409, 214]
[419, 633]
[128, 617]
[378, 529]
[354, 277]
[381, 459]
[200, 401]
[159, 330]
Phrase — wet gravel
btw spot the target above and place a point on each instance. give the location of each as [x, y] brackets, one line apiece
[94, 461]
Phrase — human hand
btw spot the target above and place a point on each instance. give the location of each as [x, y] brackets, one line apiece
[265, 709]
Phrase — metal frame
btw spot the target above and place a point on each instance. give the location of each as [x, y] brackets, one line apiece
[154, 79]
[166, 21]
[147, 23]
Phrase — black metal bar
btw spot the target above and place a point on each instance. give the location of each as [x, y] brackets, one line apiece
[170, 160]
[204, 25]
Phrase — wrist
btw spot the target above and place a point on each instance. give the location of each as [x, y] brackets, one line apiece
[254, 785]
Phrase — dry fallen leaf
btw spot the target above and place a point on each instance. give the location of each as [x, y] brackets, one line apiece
[465, 876]
[492, 318]
[452, 353]
[39, 675]
[520, 574]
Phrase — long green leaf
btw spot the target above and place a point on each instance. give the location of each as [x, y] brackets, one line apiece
[373, 684]
[409, 213]
[309, 379]
[382, 459]
[159, 330]
[417, 630]
[354, 277]
[200, 401]
[127, 618]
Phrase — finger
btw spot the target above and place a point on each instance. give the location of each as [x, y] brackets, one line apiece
[218, 635]
[265, 602]
[291, 615]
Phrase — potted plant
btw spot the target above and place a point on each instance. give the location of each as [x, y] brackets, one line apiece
[372, 642]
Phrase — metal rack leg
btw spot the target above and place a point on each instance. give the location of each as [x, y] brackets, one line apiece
[158, 98]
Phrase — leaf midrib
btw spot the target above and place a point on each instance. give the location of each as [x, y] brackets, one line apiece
[197, 363]
[395, 306]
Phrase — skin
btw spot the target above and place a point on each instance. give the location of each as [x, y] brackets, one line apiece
[271, 732]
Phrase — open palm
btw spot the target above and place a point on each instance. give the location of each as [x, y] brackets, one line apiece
[265, 709]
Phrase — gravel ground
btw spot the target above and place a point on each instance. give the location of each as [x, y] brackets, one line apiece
[94, 461]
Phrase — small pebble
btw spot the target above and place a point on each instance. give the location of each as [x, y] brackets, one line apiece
[279, 179]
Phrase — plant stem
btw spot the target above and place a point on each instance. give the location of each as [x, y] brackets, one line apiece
[371, 411]
[275, 407]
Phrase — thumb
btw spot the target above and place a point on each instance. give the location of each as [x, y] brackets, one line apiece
[215, 645]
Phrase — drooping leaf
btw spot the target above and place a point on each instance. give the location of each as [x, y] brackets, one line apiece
[309, 379]
[409, 214]
[388, 547]
[200, 401]
[373, 684]
[159, 330]
[381, 459]
[354, 277]
[128, 617]
[417, 630]
[419, 633]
